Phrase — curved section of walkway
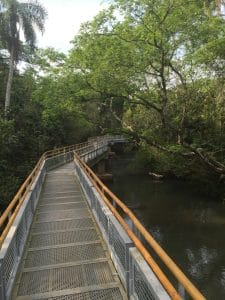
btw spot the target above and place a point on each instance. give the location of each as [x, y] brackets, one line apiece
[66, 257]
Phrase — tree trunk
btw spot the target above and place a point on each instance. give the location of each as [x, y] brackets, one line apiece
[218, 7]
[9, 81]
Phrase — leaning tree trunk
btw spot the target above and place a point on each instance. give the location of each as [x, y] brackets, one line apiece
[9, 81]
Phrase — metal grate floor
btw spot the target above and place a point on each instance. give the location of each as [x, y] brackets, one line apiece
[62, 255]
[65, 206]
[45, 227]
[64, 237]
[109, 294]
[66, 258]
[62, 215]
[55, 279]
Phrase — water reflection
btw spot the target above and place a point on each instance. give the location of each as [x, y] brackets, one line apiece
[223, 278]
[189, 227]
[200, 260]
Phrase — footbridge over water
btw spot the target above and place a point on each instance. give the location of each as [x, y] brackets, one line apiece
[66, 236]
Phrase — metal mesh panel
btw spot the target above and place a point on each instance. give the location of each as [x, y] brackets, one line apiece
[64, 278]
[2, 292]
[120, 250]
[87, 186]
[109, 294]
[103, 218]
[90, 194]
[92, 198]
[120, 243]
[111, 234]
[14, 247]
[55, 161]
[61, 215]
[28, 213]
[66, 237]
[20, 236]
[97, 207]
[39, 185]
[78, 171]
[56, 207]
[65, 254]
[34, 198]
[69, 156]
[144, 284]
[141, 288]
[96, 200]
[62, 225]
[10, 262]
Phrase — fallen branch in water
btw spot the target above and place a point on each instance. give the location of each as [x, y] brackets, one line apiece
[156, 176]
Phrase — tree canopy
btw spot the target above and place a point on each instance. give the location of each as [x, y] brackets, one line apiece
[153, 70]
[157, 67]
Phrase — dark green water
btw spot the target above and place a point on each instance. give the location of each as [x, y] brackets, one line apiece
[188, 226]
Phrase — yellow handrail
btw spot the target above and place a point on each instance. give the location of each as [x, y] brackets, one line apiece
[10, 213]
[109, 198]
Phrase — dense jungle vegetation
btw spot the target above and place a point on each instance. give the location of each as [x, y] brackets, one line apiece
[151, 69]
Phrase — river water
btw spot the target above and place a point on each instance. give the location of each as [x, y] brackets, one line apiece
[190, 227]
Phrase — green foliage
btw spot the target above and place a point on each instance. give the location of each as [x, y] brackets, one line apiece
[163, 62]
[46, 112]
[142, 161]
[153, 160]
[152, 69]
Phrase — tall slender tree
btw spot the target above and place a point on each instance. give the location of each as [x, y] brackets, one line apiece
[16, 16]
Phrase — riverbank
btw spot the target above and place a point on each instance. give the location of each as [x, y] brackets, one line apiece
[147, 161]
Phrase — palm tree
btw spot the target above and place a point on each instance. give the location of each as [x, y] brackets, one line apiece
[15, 17]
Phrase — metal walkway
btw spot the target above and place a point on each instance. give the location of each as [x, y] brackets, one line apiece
[66, 257]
